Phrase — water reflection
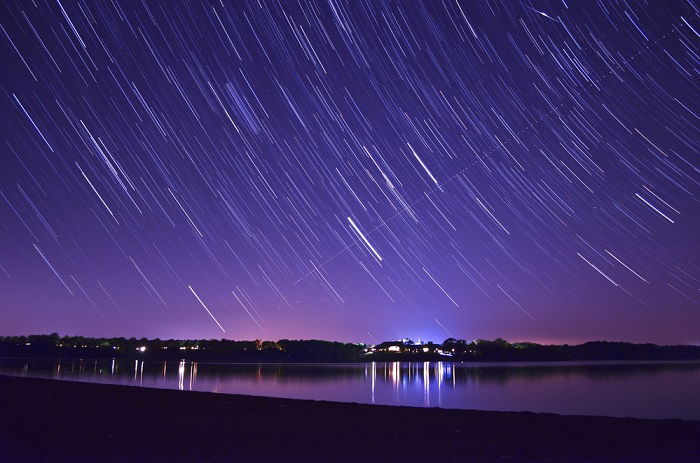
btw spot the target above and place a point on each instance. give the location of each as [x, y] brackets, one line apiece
[374, 378]
[653, 390]
[181, 375]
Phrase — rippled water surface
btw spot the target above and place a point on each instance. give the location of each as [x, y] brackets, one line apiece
[645, 390]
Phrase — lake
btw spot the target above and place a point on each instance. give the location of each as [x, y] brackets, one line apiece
[633, 389]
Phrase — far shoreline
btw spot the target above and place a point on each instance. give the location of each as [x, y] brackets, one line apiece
[475, 363]
[317, 350]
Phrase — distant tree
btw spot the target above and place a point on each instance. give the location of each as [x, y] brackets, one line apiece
[449, 343]
[269, 345]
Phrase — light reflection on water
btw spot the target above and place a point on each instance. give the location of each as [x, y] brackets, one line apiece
[645, 390]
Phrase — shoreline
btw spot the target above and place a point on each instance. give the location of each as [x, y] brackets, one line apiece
[318, 350]
[479, 363]
[49, 420]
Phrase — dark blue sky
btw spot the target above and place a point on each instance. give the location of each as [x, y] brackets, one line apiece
[352, 170]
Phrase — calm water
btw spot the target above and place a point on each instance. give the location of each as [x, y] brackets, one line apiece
[645, 390]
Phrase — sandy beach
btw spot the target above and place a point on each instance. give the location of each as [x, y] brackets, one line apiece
[61, 421]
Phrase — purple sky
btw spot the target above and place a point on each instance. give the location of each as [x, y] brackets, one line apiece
[358, 171]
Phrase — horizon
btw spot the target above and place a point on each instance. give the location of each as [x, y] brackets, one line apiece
[365, 170]
[417, 341]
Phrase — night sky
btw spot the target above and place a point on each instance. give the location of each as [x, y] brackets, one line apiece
[351, 170]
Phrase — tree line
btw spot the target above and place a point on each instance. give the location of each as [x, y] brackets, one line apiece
[55, 346]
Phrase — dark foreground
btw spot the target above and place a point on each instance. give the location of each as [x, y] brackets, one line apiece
[56, 421]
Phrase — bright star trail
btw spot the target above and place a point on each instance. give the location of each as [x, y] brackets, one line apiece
[523, 170]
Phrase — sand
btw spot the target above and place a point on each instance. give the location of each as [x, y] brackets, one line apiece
[61, 421]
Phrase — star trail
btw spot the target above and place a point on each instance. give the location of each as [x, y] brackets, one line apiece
[353, 170]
